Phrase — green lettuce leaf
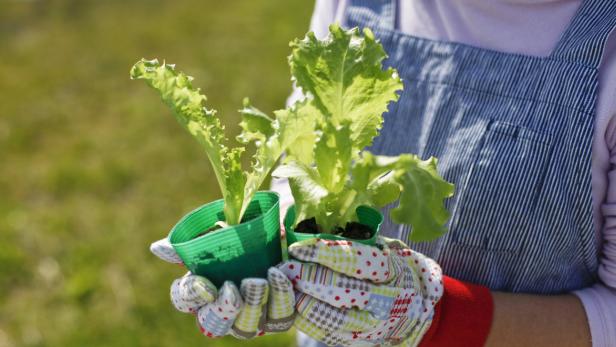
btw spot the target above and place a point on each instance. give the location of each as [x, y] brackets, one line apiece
[382, 180]
[256, 125]
[292, 129]
[186, 102]
[296, 128]
[344, 77]
[421, 199]
[333, 155]
[306, 188]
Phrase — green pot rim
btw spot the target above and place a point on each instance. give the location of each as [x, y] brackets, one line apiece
[230, 227]
[235, 252]
[293, 236]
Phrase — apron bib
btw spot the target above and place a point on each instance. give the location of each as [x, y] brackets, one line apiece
[514, 134]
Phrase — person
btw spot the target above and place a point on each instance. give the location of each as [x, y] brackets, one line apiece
[516, 100]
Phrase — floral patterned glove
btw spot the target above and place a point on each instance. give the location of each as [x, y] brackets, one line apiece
[260, 306]
[353, 294]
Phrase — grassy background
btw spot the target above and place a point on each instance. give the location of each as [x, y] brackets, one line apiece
[93, 167]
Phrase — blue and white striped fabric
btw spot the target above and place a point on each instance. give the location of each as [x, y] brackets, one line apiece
[514, 134]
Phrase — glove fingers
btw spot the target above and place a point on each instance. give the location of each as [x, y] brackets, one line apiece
[163, 249]
[191, 292]
[329, 318]
[330, 338]
[340, 291]
[350, 326]
[327, 285]
[216, 319]
[393, 244]
[350, 258]
[429, 276]
[251, 320]
[412, 261]
[281, 302]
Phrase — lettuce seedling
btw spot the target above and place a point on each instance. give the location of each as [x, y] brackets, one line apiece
[271, 136]
[347, 91]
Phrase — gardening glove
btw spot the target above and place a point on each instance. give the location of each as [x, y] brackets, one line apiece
[260, 306]
[350, 293]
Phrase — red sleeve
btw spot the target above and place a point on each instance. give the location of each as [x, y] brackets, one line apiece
[462, 317]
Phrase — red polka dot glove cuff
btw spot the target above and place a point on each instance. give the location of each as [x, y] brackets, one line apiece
[352, 294]
[463, 317]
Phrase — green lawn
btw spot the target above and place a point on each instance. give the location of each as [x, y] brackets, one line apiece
[93, 167]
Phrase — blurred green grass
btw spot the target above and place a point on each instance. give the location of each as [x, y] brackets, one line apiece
[93, 167]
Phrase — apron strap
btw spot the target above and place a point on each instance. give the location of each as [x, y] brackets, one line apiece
[372, 13]
[584, 41]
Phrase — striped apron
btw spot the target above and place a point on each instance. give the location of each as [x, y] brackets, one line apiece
[514, 134]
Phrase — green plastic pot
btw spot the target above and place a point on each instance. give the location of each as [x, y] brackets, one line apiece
[233, 253]
[365, 215]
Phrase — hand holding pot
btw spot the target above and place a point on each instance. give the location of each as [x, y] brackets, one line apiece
[353, 294]
[260, 306]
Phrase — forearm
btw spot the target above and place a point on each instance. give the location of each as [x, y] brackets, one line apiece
[541, 321]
